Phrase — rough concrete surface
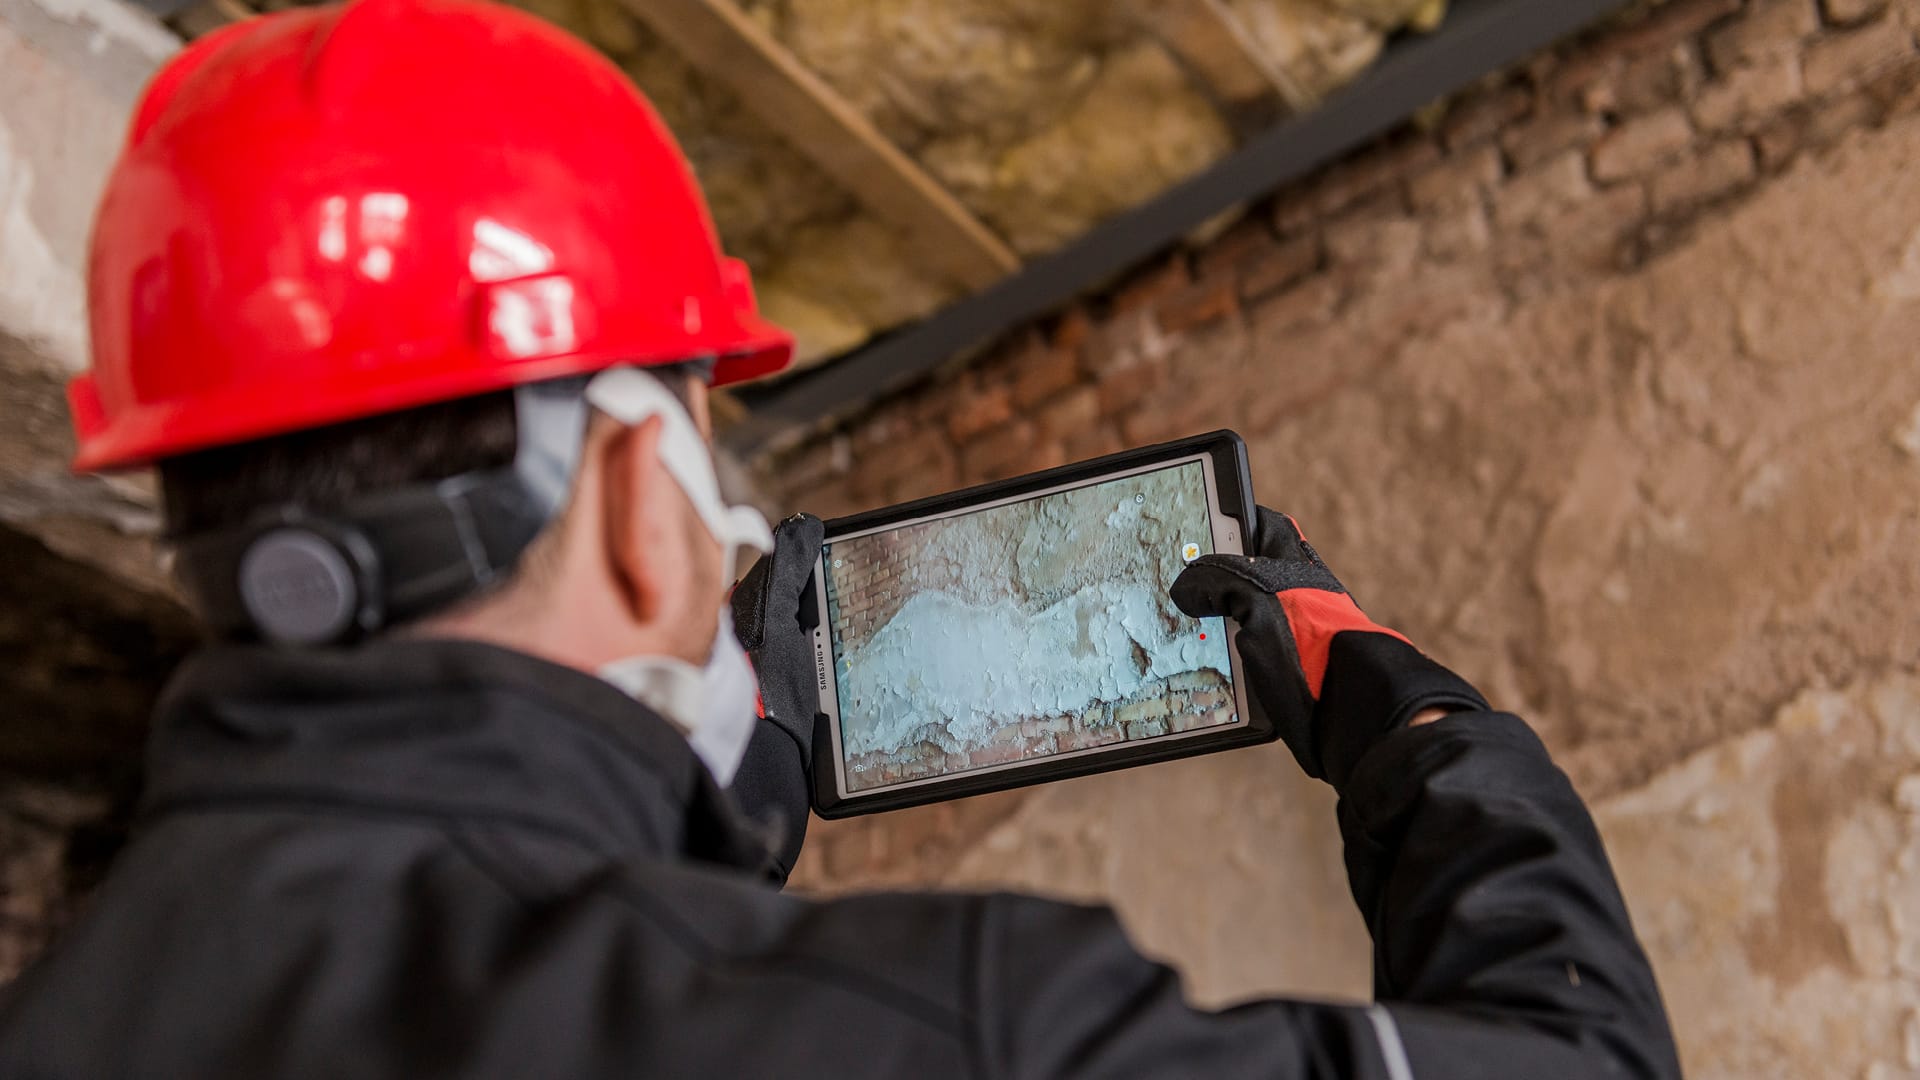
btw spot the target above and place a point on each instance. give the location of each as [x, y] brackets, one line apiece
[1776, 880]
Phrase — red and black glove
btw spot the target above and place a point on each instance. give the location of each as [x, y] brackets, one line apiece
[1332, 680]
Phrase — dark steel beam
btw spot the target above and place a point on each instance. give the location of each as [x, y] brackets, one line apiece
[1478, 37]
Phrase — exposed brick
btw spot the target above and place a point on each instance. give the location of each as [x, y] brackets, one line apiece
[1461, 179]
[1894, 90]
[1677, 20]
[1648, 82]
[1591, 78]
[1072, 330]
[942, 474]
[1750, 95]
[1372, 172]
[1150, 709]
[1199, 304]
[1805, 129]
[1780, 142]
[1294, 212]
[1590, 236]
[996, 754]
[1316, 299]
[1244, 242]
[1145, 288]
[1483, 115]
[1088, 738]
[1459, 235]
[1547, 190]
[1008, 451]
[1046, 371]
[1071, 414]
[1849, 12]
[1840, 61]
[1769, 29]
[1147, 729]
[1641, 145]
[1385, 244]
[1169, 417]
[1096, 441]
[973, 413]
[1120, 388]
[1550, 136]
[1708, 175]
[923, 450]
[1283, 263]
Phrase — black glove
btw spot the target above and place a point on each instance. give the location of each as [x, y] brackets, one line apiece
[1332, 680]
[772, 783]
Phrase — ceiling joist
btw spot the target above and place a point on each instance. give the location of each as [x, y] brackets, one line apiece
[719, 39]
[1216, 48]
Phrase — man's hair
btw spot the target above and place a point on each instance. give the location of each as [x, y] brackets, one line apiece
[327, 468]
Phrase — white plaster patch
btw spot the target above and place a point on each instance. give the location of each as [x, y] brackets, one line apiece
[998, 662]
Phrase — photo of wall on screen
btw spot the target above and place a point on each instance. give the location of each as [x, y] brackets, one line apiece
[1026, 630]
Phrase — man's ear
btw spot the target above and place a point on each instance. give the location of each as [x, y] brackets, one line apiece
[630, 469]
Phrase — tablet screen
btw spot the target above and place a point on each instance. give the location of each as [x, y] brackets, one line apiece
[1038, 627]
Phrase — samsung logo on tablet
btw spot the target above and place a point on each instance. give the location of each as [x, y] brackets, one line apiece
[820, 662]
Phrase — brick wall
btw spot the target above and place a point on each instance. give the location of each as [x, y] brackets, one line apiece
[1589, 161]
[869, 586]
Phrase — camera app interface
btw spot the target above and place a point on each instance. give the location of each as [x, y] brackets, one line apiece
[1022, 631]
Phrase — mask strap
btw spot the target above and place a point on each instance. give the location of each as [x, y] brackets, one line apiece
[633, 397]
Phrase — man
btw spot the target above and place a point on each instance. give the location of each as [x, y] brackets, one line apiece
[414, 306]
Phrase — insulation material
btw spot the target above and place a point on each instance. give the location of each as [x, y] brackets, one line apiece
[1139, 128]
[1042, 119]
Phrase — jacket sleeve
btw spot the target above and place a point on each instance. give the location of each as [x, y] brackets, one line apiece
[770, 787]
[1502, 946]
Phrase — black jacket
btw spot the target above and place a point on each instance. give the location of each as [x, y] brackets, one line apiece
[439, 859]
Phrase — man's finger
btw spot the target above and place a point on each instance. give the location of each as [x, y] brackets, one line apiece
[1214, 585]
[796, 544]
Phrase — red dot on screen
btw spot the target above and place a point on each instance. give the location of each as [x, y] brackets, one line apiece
[1203, 637]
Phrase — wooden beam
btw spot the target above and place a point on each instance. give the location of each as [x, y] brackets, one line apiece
[206, 16]
[1216, 47]
[720, 40]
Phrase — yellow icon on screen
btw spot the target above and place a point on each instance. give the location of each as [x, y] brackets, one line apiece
[1190, 552]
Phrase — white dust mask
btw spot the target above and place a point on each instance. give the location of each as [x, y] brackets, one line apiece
[713, 706]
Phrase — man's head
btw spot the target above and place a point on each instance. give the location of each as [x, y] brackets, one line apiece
[350, 259]
[626, 567]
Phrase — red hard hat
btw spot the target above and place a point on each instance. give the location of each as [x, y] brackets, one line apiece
[340, 211]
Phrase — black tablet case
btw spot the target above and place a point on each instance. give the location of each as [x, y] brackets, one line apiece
[1235, 488]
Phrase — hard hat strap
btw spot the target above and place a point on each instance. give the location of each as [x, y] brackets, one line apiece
[294, 576]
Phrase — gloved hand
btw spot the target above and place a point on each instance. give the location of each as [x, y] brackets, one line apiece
[1332, 680]
[773, 782]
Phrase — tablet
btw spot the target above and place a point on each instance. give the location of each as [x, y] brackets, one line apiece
[1022, 631]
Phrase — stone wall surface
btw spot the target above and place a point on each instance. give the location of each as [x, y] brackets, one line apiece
[1602, 387]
